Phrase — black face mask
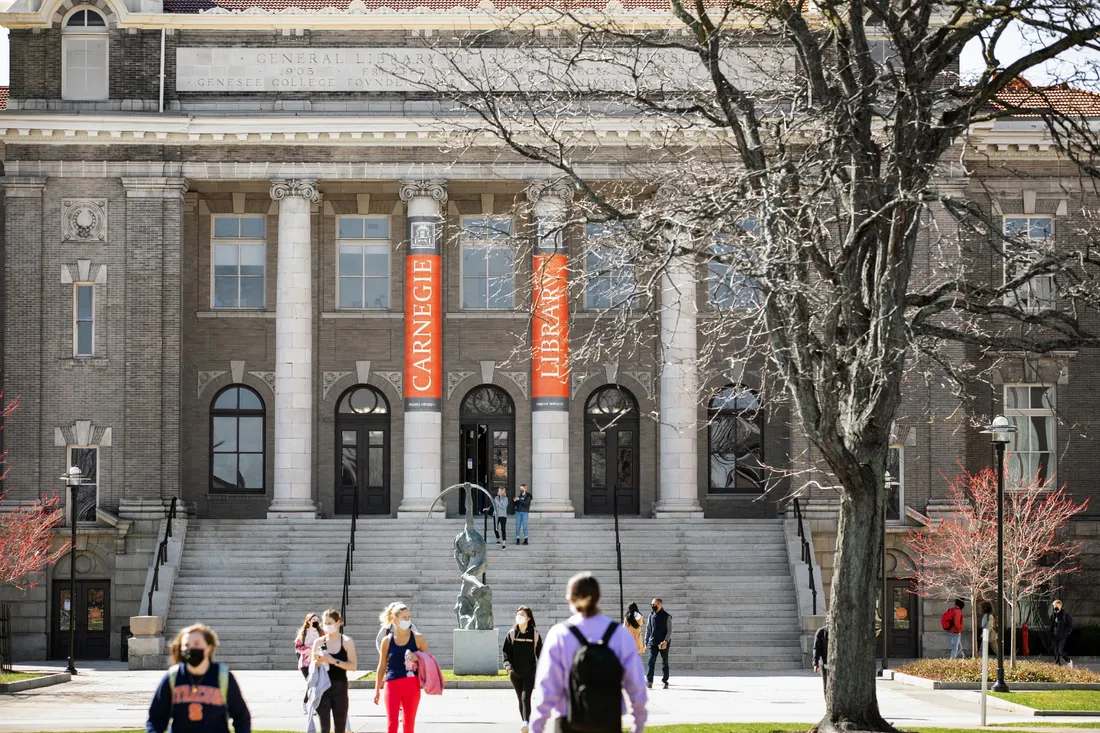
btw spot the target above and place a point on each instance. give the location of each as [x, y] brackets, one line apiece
[194, 657]
[316, 625]
[654, 607]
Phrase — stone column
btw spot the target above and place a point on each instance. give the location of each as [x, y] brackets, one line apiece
[423, 344]
[294, 351]
[679, 436]
[550, 351]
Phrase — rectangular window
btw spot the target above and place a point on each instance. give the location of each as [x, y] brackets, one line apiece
[83, 320]
[239, 262]
[87, 494]
[1032, 452]
[488, 263]
[895, 484]
[1028, 239]
[728, 286]
[608, 267]
[363, 262]
[84, 73]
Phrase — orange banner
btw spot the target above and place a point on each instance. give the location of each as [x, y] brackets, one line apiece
[423, 333]
[550, 334]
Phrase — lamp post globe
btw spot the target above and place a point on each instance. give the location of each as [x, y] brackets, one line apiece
[1001, 429]
[73, 479]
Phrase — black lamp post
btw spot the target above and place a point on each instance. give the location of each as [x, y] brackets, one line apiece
[73, 479]
[1002, 430]
[618, 550]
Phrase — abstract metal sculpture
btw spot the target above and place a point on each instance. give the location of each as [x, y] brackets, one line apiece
[474, 607]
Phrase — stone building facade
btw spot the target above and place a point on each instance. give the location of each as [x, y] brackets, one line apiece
[239, 270]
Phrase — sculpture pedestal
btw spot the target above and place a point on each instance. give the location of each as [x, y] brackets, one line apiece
[476, 652]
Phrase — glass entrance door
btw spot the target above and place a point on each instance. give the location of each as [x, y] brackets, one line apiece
[486, 461]
[93, 619]
[363, 452]
[901, 620]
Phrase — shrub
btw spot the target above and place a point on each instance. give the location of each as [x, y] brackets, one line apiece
[970, 670]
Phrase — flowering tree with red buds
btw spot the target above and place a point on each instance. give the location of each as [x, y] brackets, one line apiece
[958, 555]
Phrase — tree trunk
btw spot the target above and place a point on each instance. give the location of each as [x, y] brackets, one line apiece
[1012, 657]
[974, 624]
[850, 700]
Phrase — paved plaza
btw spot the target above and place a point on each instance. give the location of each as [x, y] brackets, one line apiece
[107, 697]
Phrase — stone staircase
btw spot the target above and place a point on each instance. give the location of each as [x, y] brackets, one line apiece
[727, 583]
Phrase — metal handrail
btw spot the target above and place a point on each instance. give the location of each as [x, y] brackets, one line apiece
[807, 552]
[349, 562]
[162, 555]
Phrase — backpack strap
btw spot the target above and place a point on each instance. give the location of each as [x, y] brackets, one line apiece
[577, 633]
[173, 673]
[223, 684]
[609, 633]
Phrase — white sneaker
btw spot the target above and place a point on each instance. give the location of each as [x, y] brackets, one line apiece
[523, 729]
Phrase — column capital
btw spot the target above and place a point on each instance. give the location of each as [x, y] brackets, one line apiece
[435, 189]
[304, 187]
[555, 191]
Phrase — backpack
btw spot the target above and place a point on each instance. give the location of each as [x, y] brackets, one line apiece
[595, 686]
[223, 682]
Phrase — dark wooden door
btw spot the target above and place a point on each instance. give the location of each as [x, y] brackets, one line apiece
[901, 620]
[611, 465]
[93, 619]
[487, 460]
[363, 458]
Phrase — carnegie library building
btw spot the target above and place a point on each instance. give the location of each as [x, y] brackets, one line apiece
[248, 276]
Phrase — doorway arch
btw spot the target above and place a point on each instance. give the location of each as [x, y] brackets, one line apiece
[611, 465]
[363, 451]
[487, 443]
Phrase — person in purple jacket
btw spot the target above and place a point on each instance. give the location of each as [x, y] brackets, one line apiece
[552, 674]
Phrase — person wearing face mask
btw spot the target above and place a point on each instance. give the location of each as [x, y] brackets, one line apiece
[658, 637]
[386, 619]
[338, 652]
[522, 648]
[197, 695]
[397, 672]
[303, 643]
[572, 682]
[500, 517]
[633, 623]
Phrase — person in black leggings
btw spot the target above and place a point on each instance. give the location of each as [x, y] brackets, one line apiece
[522, 648]
[338, 652]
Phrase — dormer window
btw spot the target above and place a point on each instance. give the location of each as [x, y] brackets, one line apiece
[84, 56]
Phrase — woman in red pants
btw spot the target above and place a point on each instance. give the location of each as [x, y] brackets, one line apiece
[397, 672]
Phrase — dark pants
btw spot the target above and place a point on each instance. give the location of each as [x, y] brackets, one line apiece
[1060, 650]
[334, 701]
[305, 673]
[824, 677]
[653, 652]
[523, 686]
[502, 532]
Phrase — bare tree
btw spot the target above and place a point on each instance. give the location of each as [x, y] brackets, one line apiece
[818, 156]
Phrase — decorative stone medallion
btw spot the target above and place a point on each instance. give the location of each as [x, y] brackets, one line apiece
[84, 220]
[645, 379]
[393, 379]
[520, 379]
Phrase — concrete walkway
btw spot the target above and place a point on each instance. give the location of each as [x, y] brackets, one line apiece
[107, 697]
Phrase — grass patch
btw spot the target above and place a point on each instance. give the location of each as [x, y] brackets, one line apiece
[1046, 724]
[767, 728]
[970, 670]
[450, 676]
[6, 677]
[1088, 700]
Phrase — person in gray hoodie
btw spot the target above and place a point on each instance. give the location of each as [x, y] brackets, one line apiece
[500, 516]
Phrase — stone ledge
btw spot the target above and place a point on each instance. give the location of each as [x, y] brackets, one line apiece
[48, 680]
[908, 679]
[235, 314]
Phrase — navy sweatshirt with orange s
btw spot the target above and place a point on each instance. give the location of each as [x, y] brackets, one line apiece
[198, 704]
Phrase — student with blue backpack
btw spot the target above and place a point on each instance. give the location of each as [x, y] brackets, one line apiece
[197, 695]
[586, 665]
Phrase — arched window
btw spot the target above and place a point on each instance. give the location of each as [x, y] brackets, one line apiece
[363, 452]
[237, 429]
[84, 74]
[611, 465]
[736, 441]
[487, 401]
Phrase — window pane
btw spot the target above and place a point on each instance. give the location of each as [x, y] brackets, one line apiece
[351, 260]
[1016, 398]
[375, 437]
[252, 292]
[351, 292]
[901, 618]
[249, 400]
[350, 228]
[1042, 398]
[86, 459]
[473, 261]
[625, 466]
[84, 302]
[225, 435]
[252, 259]
[225, 259]
[252, 227]
[84, 338]
[363, 401]
[96, 609]
[1015, 227]
[1040, 227]
[251, 467]
[77, 19]
[94, 19]
[598, 293]
[349, 466]
[376, 261]
[474, 292]
[227, 400]
[374, 466]
[376, 292]
[377, 228]
[252, 434]
[63, 610]
[226, 226]
[86, 503]
[225, 471]
[348, 437]
[599, 468]
[501, 293]
[500, 260]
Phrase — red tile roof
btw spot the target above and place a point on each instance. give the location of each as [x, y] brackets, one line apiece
[1024, 99]
[3, 98]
